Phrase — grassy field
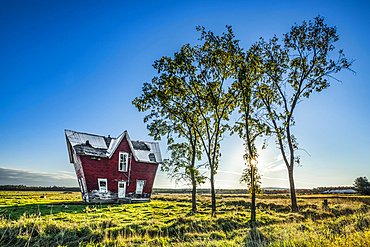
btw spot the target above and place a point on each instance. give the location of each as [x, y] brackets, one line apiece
[55, 219]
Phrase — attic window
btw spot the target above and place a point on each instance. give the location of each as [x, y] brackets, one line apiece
[152, 157]
[87, 143]
[123, 162]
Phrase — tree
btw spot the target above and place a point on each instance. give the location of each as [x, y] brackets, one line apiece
[181, 167]
[249, 127]
[253, 179]
[172, 116]
[191, 93]
[292, 71]
[362, 186]
[215, 62]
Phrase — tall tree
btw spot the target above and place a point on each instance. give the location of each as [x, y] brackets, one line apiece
[215, 60]
[172, 116]
[191, 90]
[249, 127]
[292, 71]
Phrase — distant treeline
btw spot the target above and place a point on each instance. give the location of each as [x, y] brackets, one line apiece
[201, 191]
[318, 190]
[38, 188]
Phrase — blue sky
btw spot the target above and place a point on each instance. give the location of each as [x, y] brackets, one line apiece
[78, 65]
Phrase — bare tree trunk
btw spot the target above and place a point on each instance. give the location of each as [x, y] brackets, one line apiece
[292, 190]
[193, 193]
[253, 206]
[291, 166]
[194, 183]
[213, 194]
[290, 170]
[192, 175]
[193, 143]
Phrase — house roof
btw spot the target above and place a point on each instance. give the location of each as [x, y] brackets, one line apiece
[102, 146]
[344, 191]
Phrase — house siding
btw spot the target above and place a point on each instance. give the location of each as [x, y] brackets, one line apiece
[94, 168]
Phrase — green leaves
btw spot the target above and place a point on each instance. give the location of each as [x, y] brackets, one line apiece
[192, 98]
[181, 165]
[293, 69]
[247, 178]
[198, 88]
[362, 185]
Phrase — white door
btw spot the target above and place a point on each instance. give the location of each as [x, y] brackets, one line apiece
[140, 186]
[121, 189]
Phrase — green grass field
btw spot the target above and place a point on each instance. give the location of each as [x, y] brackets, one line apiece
[54, 219]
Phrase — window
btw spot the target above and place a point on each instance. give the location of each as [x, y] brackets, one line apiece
[140, 186]
[123, 162]
[103, 185]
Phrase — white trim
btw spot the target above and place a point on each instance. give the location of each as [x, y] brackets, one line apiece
[106, 185]
[123, 164]
[78, 164]
[114, 144]
[129, 170]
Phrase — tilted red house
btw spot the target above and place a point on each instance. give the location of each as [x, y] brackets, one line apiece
[113, 170]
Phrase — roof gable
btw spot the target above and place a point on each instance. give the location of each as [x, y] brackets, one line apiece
[115, 143]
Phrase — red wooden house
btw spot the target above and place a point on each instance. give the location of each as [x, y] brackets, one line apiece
[113, 170]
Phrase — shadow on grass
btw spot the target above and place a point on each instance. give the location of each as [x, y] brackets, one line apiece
[15, 212]
[254, 238]
[51, 236]
[264, 206]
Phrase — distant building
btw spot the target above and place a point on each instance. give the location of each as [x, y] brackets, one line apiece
[340, 191]
[113, 170]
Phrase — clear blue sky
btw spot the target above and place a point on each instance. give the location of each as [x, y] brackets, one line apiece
[78, 65]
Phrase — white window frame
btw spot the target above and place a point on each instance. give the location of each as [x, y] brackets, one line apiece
[140, 192]
[106, 185]
[119, 162]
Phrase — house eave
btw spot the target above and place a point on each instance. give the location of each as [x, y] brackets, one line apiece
[148, 162]
[70, 150]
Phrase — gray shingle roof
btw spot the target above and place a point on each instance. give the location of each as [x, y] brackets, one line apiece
[138, 145]
[83, 149]
[102, 146]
